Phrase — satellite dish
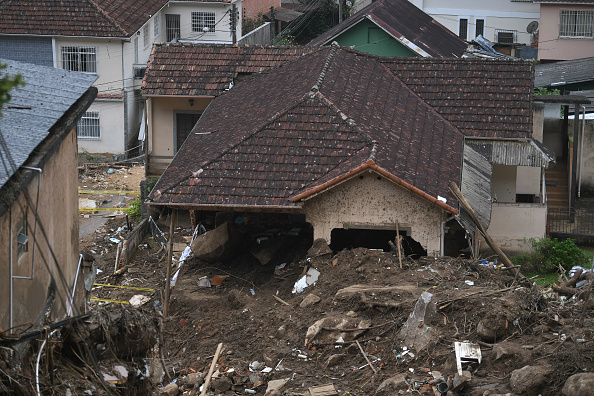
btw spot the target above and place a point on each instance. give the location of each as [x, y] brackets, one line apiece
[532, 27]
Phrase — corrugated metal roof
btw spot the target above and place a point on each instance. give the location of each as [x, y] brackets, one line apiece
[476, 187]
[512, 152]
[33, 110]
[564, 72]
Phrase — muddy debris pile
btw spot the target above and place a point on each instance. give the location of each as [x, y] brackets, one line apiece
[351, 322]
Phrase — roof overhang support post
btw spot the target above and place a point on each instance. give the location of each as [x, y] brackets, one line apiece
[574, 144]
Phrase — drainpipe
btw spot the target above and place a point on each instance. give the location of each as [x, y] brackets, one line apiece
[71, 297]
[442, 237]
[582, 150]
[11, 254]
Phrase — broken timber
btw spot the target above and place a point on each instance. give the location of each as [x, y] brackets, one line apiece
[456, 191]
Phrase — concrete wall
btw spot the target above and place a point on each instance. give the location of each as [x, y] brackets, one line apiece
[111, 123]
[37, 50]
[222, 32]
[161, 112]
[550, 46]
[260, 36]
[504, 183]
[58, 215]
[367, 202]
[512, 224]
[588, 155]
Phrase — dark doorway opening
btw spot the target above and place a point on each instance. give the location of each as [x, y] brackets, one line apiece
[455, 242]
[184, 123]
[373, 239]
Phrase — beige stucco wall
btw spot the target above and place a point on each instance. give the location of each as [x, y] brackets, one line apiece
[160, 115]
[550, 46]
[504, 183]
[58, 215]
[111, 124]
[588, 155]
[528, 180]
[512, 224]
[372, 202]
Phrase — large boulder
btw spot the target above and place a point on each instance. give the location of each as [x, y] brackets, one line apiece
[579, 384]
[220, 244]
[394, 384]
[529, 380]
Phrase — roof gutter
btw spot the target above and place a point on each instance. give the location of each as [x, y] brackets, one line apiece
[373, 166]
[245, 208]
[72, 36]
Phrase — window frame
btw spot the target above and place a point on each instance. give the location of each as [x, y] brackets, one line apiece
[463, 35]
[146, 35]
[156, 30]
[89, 116]
[81, 58]
[565, 32]
[199, 21]
[22, 237]
[513, 32]
[476, 27]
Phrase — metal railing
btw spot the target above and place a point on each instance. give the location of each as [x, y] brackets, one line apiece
[572, 222]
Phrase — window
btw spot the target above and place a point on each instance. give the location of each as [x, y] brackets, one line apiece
[82, 59]
[145, 35]
[505, 36]
[88, 126]
[156, 27]
[480, 27]
[172, 26]
[135, 49]
[22, 237]
[463, 29]
[576, 23]
[203, 22]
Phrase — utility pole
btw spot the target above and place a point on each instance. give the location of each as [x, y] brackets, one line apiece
[234, 22]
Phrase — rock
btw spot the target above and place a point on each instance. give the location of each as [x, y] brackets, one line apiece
[319, 248]
[491, 330]
[417, 330]
[236, 299]
[529, 379]
[507, 350]
[336, 322]
[220, 244]
[309, 300]
[335, 360]
[394, 384]
[579, 384]
[437, 377]
[275, 387]
[170, 390]
[156, 372]
[281, 332]
[460, 381]
[194, 379]
[222, 384]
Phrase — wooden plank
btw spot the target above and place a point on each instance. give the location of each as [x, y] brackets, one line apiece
[323, 390]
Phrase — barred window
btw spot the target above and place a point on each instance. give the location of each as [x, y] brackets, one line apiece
[82, 59]
[88, 126]
[22, 237]
[463, 28]
[156, 27]
[145, 35]
[480, 27]
[203, 22]
[576, 23]
[505, 36]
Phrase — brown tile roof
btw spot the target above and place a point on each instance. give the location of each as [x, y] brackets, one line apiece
[480, 97]
[208, 69]
[285, 134]
[95, 18]
[404, 21]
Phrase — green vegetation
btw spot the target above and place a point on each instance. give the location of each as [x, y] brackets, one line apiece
[247, 25]
[548, 254]
[134, 210]
[7, 84]
[543, 279]
[546, 91]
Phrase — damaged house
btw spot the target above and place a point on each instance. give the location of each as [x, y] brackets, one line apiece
[38, 193]
[356, 145]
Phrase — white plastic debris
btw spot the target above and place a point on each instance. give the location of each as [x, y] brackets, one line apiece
[306, 280]
[139, 300]
[469, 282]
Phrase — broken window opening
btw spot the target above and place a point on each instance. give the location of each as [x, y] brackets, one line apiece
[455, 242]
[373, 239]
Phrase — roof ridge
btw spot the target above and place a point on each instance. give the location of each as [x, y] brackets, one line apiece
[109, 18]
[329, 58]
[349, 121]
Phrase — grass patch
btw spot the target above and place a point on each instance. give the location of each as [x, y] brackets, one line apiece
[544, 279]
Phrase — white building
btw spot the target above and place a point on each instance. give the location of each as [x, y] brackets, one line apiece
[112, 39]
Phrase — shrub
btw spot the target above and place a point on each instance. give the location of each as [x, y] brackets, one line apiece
[134, 210]
[549, 253]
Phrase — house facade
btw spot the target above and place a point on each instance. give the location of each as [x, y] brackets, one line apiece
[306, 139]
[394, 28]
[567, 30]
[99, 39]
[39, 194]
